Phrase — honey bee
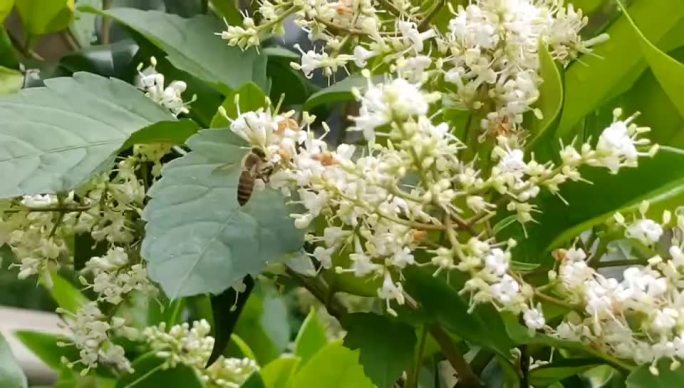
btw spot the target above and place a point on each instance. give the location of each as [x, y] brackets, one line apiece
[254, 166]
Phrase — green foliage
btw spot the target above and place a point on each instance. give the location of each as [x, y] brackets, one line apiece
[615, 64]
[66, 294]
[340, 91]
[551, 97]
[250, 98]
[10, 80]
[333, 366]
[483, 326]
[45, 16]
[191, 46]
[263, 324]
[150, 373]
[164, 132]
[311, 337]
[5, 9]
[277, 373]
[666, 378]
[11, 375]
[385, 346]
[56, 137]
[668, 71]
[558, 223]
[198, 238]
[44, 346]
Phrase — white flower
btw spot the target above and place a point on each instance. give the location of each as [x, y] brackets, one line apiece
[505, 290]
[362, 55]
[256, 127]
[534, 319]
[362, 264]
[647, 231]
[324, 256]
[412, 37]
[39, 201]
[497, 261]
[616, 147]
[664, 319]
[391, 291]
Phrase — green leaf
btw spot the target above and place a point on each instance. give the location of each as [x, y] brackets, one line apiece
[113, 60]
[226, 308]
[44, 346]
[340, 91]
[334, 366]
[559, 370]
[198, 238]
[254, 381]
[667, 70]
[149, 373]
[597, 77]
[8, 56]
[228, 10]
[311, 337]
[251, 98]
[655, 180]
[263, 324]
[11, 375]
[551, 99]
[66, 294]
[192, 46]
[5, 9]
[55, 137]
[41, 17]
[164, 132]
[277, 373]
[666, 378]
[10, 81]
[483, 326]
[386, 346]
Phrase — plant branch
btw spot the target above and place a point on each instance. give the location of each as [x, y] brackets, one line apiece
[106, 23]
[466, 376]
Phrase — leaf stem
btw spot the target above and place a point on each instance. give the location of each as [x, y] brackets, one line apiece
[412, 376]
[466, 376]
[106, 23]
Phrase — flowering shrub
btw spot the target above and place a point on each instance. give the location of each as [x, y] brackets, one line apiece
[480, 193]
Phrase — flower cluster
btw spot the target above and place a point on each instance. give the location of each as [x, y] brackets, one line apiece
[380, 205]
[487, 60]
[114, 277]
[151, 83]
[91, 332]
[640, 316]
[192, 346]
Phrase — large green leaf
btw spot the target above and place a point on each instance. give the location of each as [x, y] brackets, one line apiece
[277, 373]
[666, 378]
[340, 91]
[615, 64]
[656, 179]
[251, 98]
[149, 373]
[5, 8]
[483, 326]
[551, 98]
[55, 137]
[263, 324]
[386, 346]
[192, 46]
[66, 294]
[44, 346]
[11, 375]
[560, 369]
[45, 16]
[334, 366]
[198, 238]
[668, 72]
[311, 337]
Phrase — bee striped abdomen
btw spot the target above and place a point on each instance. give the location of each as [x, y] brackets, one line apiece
[245, 187]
